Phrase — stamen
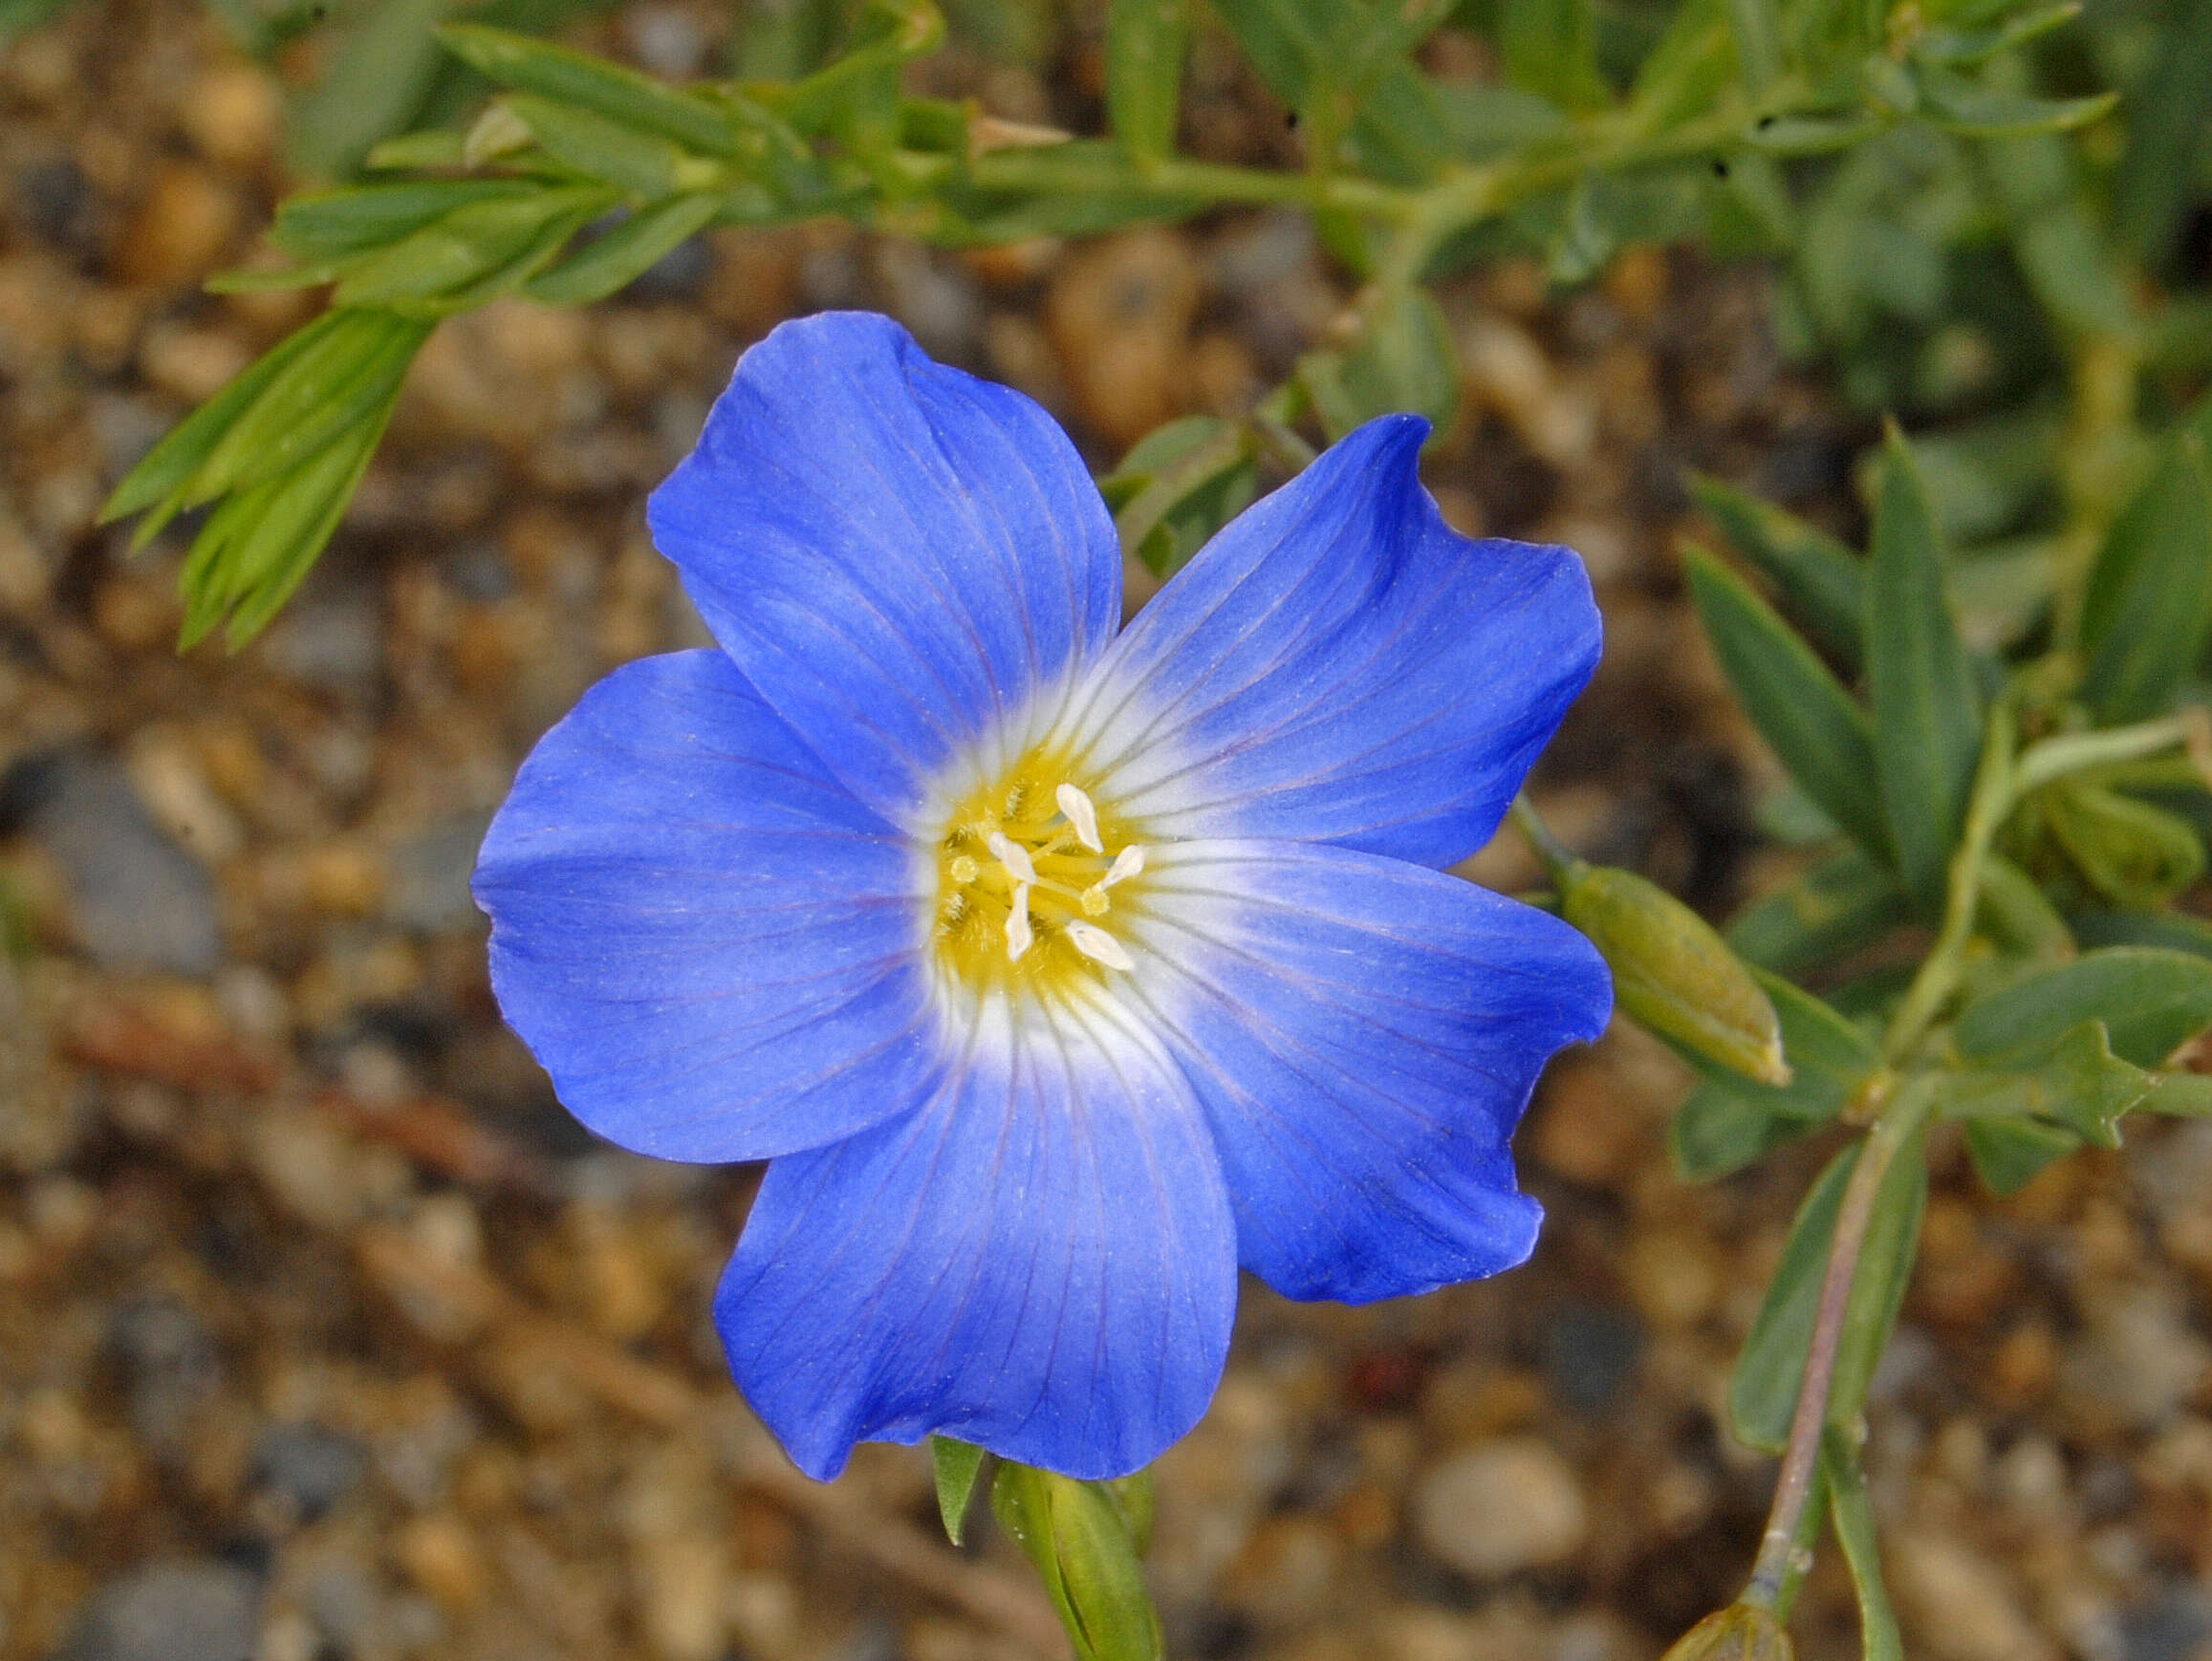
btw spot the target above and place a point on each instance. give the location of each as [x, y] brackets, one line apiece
[1094, 902]
[1127, 863]
[1082, 815]
[1013, 855]
[965, 870]
[1099, 946]
[1020, 937]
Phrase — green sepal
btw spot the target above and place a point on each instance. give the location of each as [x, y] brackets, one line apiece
[956, 1466]
[1078, 1535]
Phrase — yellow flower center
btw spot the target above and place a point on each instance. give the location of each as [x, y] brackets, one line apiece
[1031, 871]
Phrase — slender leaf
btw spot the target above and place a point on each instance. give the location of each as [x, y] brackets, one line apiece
[2168, 109]
[164, 469]
[353, 369]
[474, 250]
[592, 83]
[374, 79]
[1822, 583]
[1730, 1120]
[1927, 709]
[616, 258]
[1757, 28]
[1816, 728]
[329, 224]
[2150, 1000]
[1145, 41]
[1979, 112]
[2148, 608]
[640, 162]
[1852, 1514]
[2010, 1153]
[2177, 931]
[1842, 905]
[2132, 854]
[1551, 48]
[1763, 1389]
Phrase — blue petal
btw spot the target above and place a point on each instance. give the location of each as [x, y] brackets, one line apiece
[1338, 665]
[903, 558]
[714, 948]
[1364, 1034]
[1041, 1262]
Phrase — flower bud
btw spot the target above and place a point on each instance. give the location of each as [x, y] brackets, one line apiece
[1673, 973]
[1739, 1632]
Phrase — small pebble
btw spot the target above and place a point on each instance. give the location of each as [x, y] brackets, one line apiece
[1500, 1508]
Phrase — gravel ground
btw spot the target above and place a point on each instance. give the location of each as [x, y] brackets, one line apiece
[325, 1334]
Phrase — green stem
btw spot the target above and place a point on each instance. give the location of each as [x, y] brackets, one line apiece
[2074, 752]
[1186, 186]
[1785, 1549]
[1994, 794]
[1554, 855]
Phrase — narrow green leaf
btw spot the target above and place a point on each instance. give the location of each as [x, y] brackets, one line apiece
[353, 369]
[1822, 582]
[2168, 107]
[1688, 69]
[1762, 1393]
[2015, 913]
[1728, 1120]
[956, 1465]
[1979, 112]
[1816, 728]
[613, 260]
[2150, 1000]
[1718, 1131]
[475, 250]
[1842, 905]
[2177, 931]
[1968, 46]
[593, 83]
[331, 225]
[2010, 1153]
[1763, 1389]
[164, 469]
[1852, 1514]
[1179, 485]
[376, 75]
[642, 163]
[1758, 41]
[1927, 709]
[2132, 854]
[437, 147]
[1551, 48]
[1878, 1286]
[1402, 361]
[1145, 41]
[1813, 134]
[2148, 609]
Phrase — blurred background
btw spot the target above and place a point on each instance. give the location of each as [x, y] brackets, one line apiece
[325, 1334]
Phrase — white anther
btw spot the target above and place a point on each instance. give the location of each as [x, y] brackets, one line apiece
[1020, 937]
[1081, 815]
[1126, 864]
[1013, 856]
[1099, 946]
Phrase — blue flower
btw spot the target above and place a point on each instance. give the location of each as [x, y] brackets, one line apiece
[1057, 968]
